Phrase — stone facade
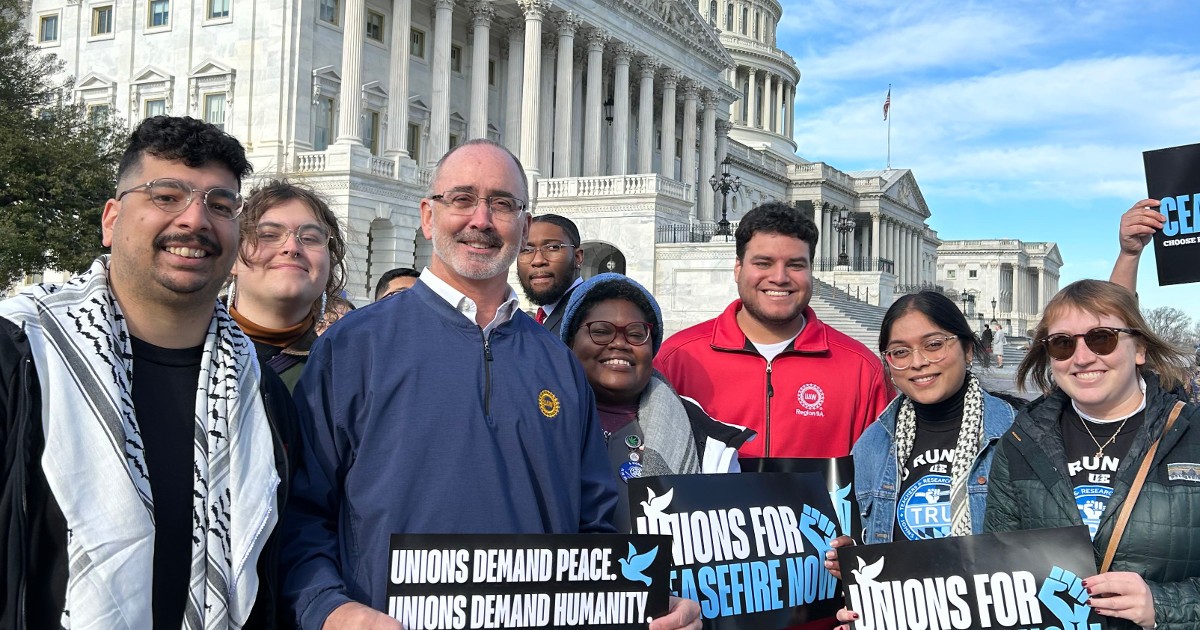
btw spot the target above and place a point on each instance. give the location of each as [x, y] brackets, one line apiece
[1020, 277]
[620, 111]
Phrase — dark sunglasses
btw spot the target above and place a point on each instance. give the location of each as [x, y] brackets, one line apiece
[1101, 340]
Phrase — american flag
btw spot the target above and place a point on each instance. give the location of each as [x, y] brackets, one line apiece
[887, 104]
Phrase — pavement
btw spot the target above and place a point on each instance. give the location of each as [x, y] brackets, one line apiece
[1003, 379]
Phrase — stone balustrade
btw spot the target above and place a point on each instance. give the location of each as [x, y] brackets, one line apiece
[312, 162]
[614, 186]
[383, 167]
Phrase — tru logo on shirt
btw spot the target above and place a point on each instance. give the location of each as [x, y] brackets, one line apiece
[811, 398]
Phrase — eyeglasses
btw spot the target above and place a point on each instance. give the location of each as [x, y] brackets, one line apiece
[462, 202]
[550, 251]
[174, 196]
[1101, 340]
[393, 292]
[603, 333]
[309, 236]
[933, 349]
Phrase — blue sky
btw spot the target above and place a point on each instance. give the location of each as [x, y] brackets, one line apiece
[1019, 119]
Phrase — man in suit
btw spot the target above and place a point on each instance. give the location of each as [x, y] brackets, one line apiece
[548, 267]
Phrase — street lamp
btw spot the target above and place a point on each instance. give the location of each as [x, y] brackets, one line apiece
[964, 301]
[993, 308]
[844, 224]
[608, 111]
[724, 185]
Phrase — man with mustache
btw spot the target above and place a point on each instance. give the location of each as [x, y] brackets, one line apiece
[442, 409]
[548, 267]
[144, 449]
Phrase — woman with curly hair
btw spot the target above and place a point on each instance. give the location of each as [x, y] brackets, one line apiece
[289, 268]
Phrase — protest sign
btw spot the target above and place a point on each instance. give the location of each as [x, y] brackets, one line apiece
[749, 547]
[1173, 177]
[441, 581]
[1013, 580]
[839, 481]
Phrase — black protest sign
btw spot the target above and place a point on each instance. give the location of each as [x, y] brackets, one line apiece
[749, 547]
[839, 480]
[460, 581]
[1173, 177]
[1020, 580]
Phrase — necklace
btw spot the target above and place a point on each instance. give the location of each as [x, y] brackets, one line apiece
[1100, 453]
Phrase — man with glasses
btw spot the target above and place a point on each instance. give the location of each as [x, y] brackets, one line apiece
[443, 409]
[767, 362]
[395, 281]
[144, 449]
[548, 267]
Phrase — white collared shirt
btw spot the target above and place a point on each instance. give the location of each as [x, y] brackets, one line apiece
[466, 305]
[549, 308]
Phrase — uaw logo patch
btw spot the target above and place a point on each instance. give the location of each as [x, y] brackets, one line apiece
[811, 397]
[548, 403]
[1183, 472]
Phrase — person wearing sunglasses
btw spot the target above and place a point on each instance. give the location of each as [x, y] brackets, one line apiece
[1112, 406]
[289, 267]
[614, 327]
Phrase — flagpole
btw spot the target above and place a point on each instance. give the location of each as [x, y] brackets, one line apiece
[889, 131]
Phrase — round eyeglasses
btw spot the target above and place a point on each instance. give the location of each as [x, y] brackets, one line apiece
[1101, 340]
[174, 196]
[603, 333]
[309, 236]
[462, 202]
[550, 251]
[933, 349]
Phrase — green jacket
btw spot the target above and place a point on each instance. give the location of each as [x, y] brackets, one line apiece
[1029, 489]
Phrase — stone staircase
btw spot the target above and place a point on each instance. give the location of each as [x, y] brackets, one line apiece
[857, 319]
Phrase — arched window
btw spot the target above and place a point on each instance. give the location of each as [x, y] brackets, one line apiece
[712, 11]
[745, 19]
[729, 17]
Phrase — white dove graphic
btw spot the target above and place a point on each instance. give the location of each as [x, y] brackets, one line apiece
[866, 573]
[654, 505]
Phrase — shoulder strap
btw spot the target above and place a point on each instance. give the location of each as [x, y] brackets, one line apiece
[282, 361]
[1134, 490]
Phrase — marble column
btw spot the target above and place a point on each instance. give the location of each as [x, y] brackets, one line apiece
[397, 117]
[708, 136]
[594, 109]
[765, 105]
[791, 111]
[915, 256]
[577, 113]
[723, 127]
[439, 77]
[563, 105]
[736, 84]
[752, 98]
[350, 97]
[481, 19]
[875, 227]
[546, 104]
[512, 90]
[645, 163]
[779, 116]
[902, 262]
[531, 108]
[667, 127]
[1041, 291]
[620, 129]
[687, 175]
[822, 236]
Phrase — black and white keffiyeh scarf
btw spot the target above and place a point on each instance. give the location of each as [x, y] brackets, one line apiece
[95, 464]
[970, 438]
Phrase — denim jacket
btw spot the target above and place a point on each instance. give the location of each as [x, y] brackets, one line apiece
[876, 481]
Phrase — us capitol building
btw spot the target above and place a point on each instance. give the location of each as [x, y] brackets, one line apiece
[620, 110]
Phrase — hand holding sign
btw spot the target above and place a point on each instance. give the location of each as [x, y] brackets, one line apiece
[355, 616]
[1122, 594]
[1138, 226]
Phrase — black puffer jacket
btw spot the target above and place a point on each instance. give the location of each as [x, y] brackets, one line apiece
[33, 533]
[1029, 489]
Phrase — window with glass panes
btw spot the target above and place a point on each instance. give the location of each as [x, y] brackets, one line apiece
[456, 58]
[218, 9]
[414, 141]
[156, 107]
[102, 20]
[48, 29]
[416, 43]
[214, 110]
[97, 113]
[323, 119]
[328, 11]
[375, 26]
[370, 131]
[160, 13]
